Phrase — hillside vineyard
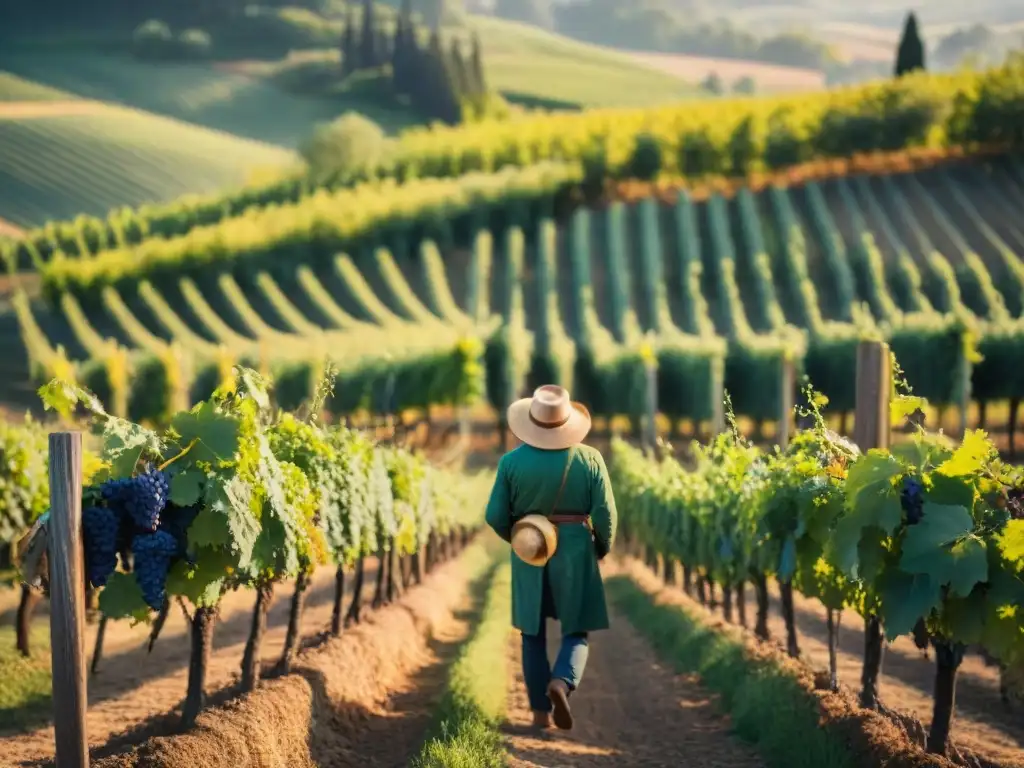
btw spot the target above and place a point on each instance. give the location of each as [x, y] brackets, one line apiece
[722, 286]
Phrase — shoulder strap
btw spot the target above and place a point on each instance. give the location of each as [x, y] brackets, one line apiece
[565, 476]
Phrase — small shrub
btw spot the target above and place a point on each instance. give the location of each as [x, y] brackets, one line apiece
[311, 72]
[645, 162]
[345, 148]
[194, 44]
[153, 40]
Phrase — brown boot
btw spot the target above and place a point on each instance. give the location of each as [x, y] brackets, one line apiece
[558, 692]
[541, 720]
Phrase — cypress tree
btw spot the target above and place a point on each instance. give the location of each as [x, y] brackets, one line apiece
[435, 95]
[404, 51]
[349, 54]
[910, 53]
[476, 67]
[459, 74]
[368, 47]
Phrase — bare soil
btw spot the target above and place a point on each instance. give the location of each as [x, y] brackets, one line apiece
[10, 230]
[982, 723]
[136, 693]
[629, 710]
[364, 699]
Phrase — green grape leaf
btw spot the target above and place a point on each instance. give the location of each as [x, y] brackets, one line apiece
[1011, 542]
[201, 583]
[905, 599]
[871, 553]
[1005, 587]
[970, 565]
[903, 406]
[842, 548]
[124, 443]
[964, 618]
[231, 501]
[971, 457]
[958, 491]
[940, 525]
[187, 487]
[62, 396]
[209, 529]
[122, 598]
[213, 436]
[870, 475]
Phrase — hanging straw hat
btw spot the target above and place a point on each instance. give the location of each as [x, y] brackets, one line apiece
[534, 539]
[549, 420]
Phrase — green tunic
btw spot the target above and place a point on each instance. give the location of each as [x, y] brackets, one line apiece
[527, 483]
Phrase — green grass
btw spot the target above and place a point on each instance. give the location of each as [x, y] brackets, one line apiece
[466, 734]
[58, 167]
[527, 63]
[25, 684]
[225, 101]
[767, 706]
[14, 88]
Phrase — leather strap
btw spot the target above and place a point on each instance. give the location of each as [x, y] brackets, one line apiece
[565, 476]
[574, 517]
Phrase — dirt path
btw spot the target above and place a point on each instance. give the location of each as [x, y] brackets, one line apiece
[982, 723]
[8, 229]
[135, 693]
[630, 710]
[29, 110]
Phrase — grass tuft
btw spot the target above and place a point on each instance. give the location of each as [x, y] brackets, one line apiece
[466, 734]
[768, 706]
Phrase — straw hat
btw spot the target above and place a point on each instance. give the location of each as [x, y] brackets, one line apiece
[549, 420]
[534, 539]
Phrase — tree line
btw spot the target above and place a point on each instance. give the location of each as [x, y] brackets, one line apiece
[440, 81]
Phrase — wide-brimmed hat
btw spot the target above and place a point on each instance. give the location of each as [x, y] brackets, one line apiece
[549, 420]
[534, 539]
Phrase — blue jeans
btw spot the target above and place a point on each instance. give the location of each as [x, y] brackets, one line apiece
[537, 671]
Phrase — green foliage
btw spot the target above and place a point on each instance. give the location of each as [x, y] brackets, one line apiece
[24, 477]
[345, 148]
[830, 521]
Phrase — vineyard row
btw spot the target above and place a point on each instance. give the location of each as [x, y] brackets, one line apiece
[724, 292]
[730, 138]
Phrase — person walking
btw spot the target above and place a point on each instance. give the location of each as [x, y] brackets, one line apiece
[553, 501]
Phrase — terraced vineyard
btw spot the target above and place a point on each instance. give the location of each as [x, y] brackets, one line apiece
[720, 286]
[90, 160]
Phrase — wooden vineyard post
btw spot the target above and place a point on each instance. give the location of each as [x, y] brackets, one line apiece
[872, 430]
[718, 402]
[787, 385]
[874, 382]
[67, 600]
[650, 404]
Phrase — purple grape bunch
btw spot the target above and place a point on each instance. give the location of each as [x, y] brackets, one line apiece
[912, 500]
[152, 555]
[101, 528]
[1015, 503]
[143, 497]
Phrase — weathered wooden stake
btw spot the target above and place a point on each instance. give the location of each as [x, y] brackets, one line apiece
[651, 406]
[787, 385]
[874, 380]
[872, 430]
[965, 392]
[67, 600]
[718, 405]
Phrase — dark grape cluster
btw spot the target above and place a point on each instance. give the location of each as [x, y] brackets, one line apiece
[143, 497]
[101, 527]
[1015, 503]
[176, 520]
[912, 500]
[152, 555]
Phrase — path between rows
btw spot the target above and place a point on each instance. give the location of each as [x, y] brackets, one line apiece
[981, 723]
[629, 710]
[135, 691]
